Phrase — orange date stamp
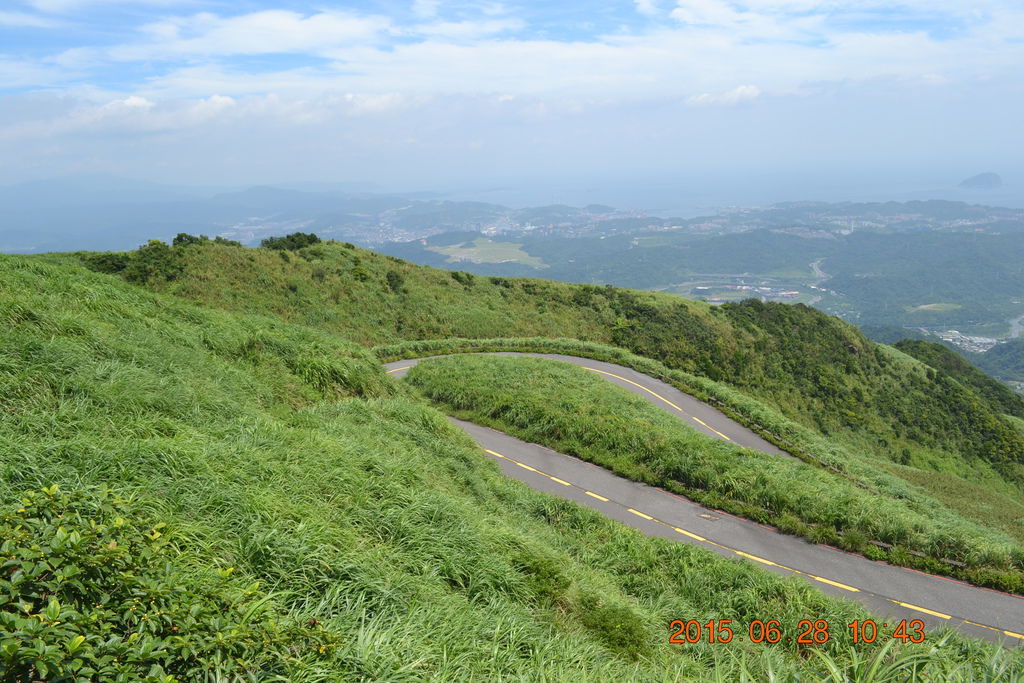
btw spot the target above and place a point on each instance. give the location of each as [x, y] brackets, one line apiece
[807, 631]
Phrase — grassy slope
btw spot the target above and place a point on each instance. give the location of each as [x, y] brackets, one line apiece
[576, 412]
[286, 454]
[817, 370]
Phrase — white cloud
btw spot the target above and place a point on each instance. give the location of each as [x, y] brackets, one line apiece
[743, 93]
[266, 32]
[62, 6]
[461, 30]
[706, 13]
[25, 20]
[647, 7]
[425, 8]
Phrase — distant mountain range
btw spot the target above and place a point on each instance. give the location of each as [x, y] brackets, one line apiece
[97, 212]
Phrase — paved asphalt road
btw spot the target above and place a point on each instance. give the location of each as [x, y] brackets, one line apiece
[893, 593]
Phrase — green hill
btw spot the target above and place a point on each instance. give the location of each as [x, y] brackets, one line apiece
[231, 495]
[243, 490]
[813, 368]
[959, 368]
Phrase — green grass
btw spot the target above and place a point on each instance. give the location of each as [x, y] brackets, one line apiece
[283, 462]
[578, 413]
[831, 454]
[813, 369]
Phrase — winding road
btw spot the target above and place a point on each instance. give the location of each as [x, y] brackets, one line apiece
[894, 593]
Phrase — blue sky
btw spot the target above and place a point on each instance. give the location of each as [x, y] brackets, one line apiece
[426, 92]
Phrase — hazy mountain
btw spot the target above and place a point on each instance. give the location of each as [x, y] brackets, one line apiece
[983, 181]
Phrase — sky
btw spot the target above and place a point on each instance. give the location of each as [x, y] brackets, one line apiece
[432, 94]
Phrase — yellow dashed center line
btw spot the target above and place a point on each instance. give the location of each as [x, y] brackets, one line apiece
[684, 532]
[940, 615]
[397, 369]
[740, 553]
[660, 397]
[755, 558]
[835, 583]
[629, 381]
[697, 419]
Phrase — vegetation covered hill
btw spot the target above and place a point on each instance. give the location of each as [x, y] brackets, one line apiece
[199, 492]
[1005, 361]
[190, 493]
[811, 367]
[953, 364]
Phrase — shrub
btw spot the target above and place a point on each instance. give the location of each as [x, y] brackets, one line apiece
[110, 263]
[183, 239]
[154, 261]
[89, 593]
[463, 278]
[292, 242]
[617, 626]
[395, 281]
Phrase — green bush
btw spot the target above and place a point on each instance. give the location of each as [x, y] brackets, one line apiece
[395, 281]
[183, 239]
[89, 591]
[292, 242]
[108, 262]
[617, 626]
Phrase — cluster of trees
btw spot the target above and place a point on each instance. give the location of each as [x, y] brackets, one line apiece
[292, 242]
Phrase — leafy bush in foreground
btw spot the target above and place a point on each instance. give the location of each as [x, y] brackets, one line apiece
[88, 591]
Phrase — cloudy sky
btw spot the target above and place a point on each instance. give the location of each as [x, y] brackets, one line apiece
[423, 93]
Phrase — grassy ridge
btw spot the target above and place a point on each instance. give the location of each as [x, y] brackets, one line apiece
[985, 505]
[814, 369]
[578, 413]
[276, 454]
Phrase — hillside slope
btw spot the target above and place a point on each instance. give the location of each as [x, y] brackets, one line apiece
[340, 530]
[813, 368]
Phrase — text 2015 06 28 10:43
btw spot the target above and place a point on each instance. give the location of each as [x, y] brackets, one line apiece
[807, 632]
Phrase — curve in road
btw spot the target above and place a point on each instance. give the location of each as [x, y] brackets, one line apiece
[885, 589]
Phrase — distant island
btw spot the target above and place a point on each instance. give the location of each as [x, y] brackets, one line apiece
[983, 181]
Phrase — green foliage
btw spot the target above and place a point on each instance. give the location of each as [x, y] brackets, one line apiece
[1005, 361]
[283, 452]
[814, 369]
[395, 281]
[89, 591]
[578, 413]
[183, 239]
[463, 278]
[292, 242]
[618, 627]
[152, 262]
[109, 262]
[949, 362]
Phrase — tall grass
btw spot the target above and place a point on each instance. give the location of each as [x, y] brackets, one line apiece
[815, 369]
[974, 500]
[373, 517]
[276, 454]
[578, 413]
